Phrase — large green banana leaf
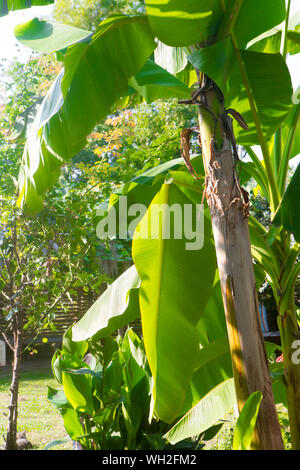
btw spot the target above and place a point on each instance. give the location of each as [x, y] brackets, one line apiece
[287, 214]
[139, 193]
[153, 82]
[246, 422]
[71, 420]
[266, 255]
[11, 5]
[115, 308]
[186, 22]
[214, 366]
[172, 298]
[98, 70]
[270, 41]
[48, 36]
[214, 360]
[207, 412]
[291, 131]
[95, 76]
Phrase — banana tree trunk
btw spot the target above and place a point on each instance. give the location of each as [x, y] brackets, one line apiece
[229, 210]
[11, 437]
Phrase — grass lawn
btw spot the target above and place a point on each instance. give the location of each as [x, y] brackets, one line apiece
[37, 417]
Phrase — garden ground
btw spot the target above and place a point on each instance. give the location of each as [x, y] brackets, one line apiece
[37, 417]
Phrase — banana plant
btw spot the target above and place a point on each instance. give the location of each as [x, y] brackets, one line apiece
[110, 68]
[105, 394]
[246, 423]
[105, 398]
[281, 240]
[211, 382]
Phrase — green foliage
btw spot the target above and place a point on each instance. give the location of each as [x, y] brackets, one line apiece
[105, 401]
[268, 77]
[246, 422]
[130, 142]
[68, 116]
[11, 5]
[150, 82]
[42, 264]
[45, 258]
[171, 299]
[270, 41]
[288, 214]
[23, 87]
[114, 309]
[89, 13]
[47, 37]
[153, 82]
[255, 83]
[211, 408]
[181, 23]
[116, 375]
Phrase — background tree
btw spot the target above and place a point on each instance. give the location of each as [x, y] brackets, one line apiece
[45, 258]
[89, 13]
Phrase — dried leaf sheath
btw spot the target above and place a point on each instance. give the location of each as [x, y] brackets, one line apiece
[228, 208]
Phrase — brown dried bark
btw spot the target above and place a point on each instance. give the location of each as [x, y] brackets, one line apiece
[229, 211]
